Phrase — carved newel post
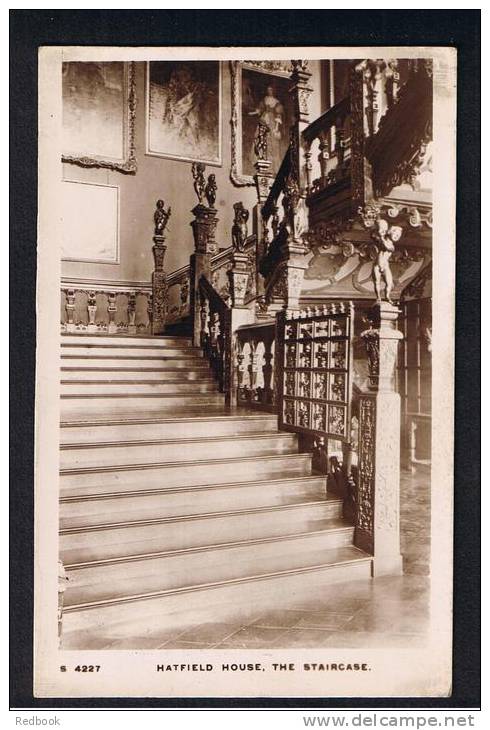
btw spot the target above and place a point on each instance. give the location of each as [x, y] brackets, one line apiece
[263, 179]
[378, 498]
[159, 277]
[204, 230]
[239, 272]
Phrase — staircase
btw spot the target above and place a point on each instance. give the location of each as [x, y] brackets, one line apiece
[175, 509]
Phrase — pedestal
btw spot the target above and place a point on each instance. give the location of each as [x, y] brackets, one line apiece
[378, 494]
[159, 302]
[239, 274]
[159, 287]
[200, 264]
[204, 231]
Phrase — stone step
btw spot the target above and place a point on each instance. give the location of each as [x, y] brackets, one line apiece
[137, 387]
[116, 540]
[231, 600]
[111, 362]
[161, 428]
[159, 503]
[131, 478]
[139, 351]
[210, 564]
[77, 406]
[121, 339]
[135, 374]
[173, 450]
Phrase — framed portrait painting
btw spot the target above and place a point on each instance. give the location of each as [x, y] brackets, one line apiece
[183, 110]
[99, 103]
[260, 92]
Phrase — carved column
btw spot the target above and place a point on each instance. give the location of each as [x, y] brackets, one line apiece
[263, 180]
[239, 274]
[300, 93]
[159, 287]
[204, 230]
[159, 277]
[378, 496]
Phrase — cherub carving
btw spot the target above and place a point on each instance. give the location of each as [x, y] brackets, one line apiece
[199, 180]
[239, 230]
[161, 217]
[385, 237]
[210, 191]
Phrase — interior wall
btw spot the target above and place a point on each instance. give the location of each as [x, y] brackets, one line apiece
[158, 177]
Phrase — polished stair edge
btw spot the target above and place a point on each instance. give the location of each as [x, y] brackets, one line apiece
[197, 487]
[112, 396]
[133, 346]
[254, 435]
[134, 381]
[175, 464]
[83, 369]
[166, 419]
[363, 558]
[165, 358]
[191, 518]
[210, 547]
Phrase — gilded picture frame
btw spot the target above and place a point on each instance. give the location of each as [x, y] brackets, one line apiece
[183, 111]
[125, 162]
[266, 72]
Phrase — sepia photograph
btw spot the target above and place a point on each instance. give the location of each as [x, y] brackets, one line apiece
[244, 382]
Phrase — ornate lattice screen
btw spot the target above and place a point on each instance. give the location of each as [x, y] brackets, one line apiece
[317, 371]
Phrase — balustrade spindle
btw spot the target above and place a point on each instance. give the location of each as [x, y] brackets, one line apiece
[131, 312]
[111, 312]
[92, 310]
[70, 309]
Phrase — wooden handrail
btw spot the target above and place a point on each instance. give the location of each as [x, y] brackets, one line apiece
[327, 120]
[277, 185]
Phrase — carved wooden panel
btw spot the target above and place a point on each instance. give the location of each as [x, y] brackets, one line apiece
[317, 371]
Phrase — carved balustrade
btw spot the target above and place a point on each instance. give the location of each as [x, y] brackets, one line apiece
[330, 134]
[215, 332]
[254, 366]
[97, 307]
[316, 371]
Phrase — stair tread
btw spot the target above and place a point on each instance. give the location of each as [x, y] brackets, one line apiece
[197, 516]
[184, 441]
[173, 464]
[108, 381]
[330, 558]
[183, 415]
[329, 525]
[227, 485]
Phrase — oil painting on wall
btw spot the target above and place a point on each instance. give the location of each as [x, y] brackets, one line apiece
[259, 94]
[184, 110]
[98, 114]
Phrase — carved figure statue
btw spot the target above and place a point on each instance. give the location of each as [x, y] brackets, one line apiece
[239, 230]
[260, 141]
[161, 217]
[385, 238]
[199, 181]
[210, 191]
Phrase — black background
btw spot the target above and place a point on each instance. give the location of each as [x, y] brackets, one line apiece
[30, 29]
